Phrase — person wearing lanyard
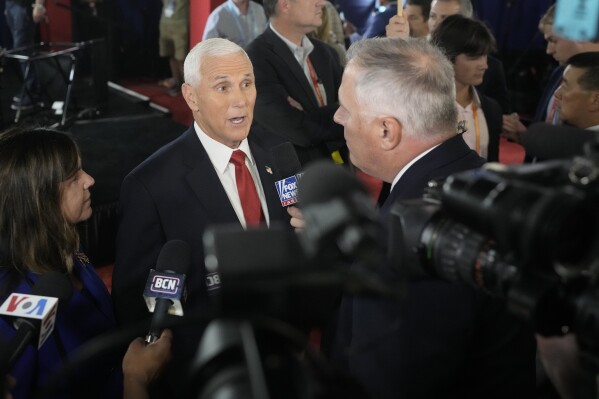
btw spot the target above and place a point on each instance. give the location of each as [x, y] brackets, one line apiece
[467, 42]
[240, 21]
[297, 79]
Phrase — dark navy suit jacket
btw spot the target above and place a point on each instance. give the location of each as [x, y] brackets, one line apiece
[552, 84]
[174, 194]
[279, 75]
[494, 84]
[378, 23]
[443, 340]
[493, 116]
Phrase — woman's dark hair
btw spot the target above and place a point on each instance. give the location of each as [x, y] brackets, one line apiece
[460, 35]
[34, 234]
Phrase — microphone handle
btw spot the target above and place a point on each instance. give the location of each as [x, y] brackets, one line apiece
[158, 320]
[24, 335]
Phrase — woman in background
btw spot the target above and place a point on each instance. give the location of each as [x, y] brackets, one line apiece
[467, 43]
[44, 193]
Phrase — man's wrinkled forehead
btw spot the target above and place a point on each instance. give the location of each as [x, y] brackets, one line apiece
[215, 68]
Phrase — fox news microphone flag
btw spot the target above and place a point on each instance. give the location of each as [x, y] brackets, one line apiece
[287, 171]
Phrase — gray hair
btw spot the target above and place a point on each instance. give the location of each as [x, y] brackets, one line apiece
[466, 8]
[208, 48]
[409, 79]
[270, 8]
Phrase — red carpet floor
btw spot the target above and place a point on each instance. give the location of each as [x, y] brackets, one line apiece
[159, 95]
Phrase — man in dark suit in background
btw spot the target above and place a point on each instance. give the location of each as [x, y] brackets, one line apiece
[561, 49]
[397, 107]
[297, 78]
[191, 183]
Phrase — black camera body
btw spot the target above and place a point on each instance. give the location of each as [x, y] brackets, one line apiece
[528, 234]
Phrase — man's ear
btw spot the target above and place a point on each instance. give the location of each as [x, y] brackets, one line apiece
[390, 131]
[283, 4]
[594, 103]
[190, 97]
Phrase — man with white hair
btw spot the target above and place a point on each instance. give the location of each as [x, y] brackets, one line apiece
[212, 174]
[441, 9]
[443, 340]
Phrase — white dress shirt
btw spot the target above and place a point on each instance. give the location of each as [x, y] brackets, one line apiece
[220, 156]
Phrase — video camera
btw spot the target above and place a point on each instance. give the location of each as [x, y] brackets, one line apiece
[528, 234]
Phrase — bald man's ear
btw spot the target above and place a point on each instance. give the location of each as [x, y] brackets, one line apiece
[190, 97]
[390, 132]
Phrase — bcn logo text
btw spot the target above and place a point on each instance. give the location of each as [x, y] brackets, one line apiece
[165, 284]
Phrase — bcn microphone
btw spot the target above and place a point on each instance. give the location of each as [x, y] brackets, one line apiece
[165, 288]
[287, 171]
[34, 314]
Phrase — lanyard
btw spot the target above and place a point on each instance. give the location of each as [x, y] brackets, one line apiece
[476, 126]
[315, 83]
[552, 116]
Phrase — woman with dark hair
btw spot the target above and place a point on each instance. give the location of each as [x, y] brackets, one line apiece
[44, 193]
[467, 43]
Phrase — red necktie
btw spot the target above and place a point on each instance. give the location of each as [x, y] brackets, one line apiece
[250, 202]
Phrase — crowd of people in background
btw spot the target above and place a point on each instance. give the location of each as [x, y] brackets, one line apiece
[396, 98]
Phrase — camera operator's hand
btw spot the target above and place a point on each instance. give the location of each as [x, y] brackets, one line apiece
[143, 363]
[297, 220]
[10, 384]
[560, 359]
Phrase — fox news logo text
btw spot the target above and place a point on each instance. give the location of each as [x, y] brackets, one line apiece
[287, 189]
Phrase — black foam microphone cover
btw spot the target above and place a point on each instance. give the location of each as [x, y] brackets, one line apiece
[324, 181]
[175, 256]
[548, 142]
[285, 161]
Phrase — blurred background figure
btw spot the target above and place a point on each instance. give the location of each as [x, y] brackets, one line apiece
[21, 19]
[561, 49]
[240, 21]
[417, 12]
[375, 26]
[174, 41]
[467, 43]
[331, 30]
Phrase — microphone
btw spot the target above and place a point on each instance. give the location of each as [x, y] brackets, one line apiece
[165, 287]
[34, 314]
[548, 142]
[338, 212]
[287, 171]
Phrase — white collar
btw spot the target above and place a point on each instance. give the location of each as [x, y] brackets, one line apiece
[220, 154]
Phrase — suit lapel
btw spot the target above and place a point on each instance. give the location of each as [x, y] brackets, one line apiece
[262, 159]
[282, 51]
[447, 152]
[204, 182]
